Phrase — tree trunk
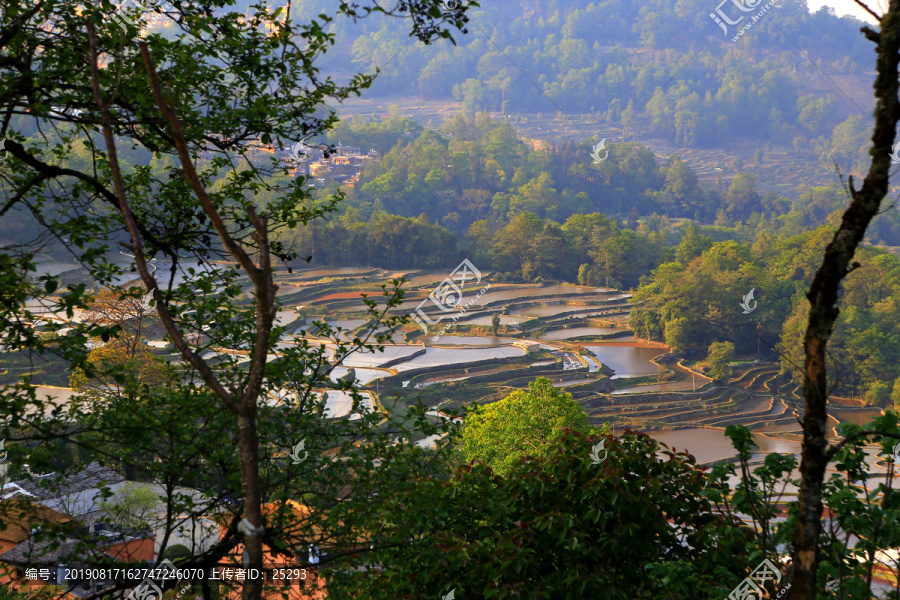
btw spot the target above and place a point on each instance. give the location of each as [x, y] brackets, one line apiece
[251, 526]
[248, 445]
[823, 298]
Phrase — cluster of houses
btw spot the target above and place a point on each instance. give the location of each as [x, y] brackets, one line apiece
[342, 167]
[73, 566]
[151, 20]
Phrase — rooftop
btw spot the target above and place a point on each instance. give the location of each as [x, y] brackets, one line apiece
[91, 477]
[20, 518]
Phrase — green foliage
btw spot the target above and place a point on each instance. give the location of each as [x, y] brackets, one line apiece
[517, 209]
[678, 336]
[692, 245]
[523, 423]
[895, 394]
[695, 302]
[589, 57]
[719, 356]
[176, 551]
[878, 394]
[558, 527]
[133, 506]
[108, 365]
[240, 81]
[868, 518]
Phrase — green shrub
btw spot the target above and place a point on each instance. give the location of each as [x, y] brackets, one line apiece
[176, 551]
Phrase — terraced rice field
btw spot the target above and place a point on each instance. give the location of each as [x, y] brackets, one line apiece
[574, 335]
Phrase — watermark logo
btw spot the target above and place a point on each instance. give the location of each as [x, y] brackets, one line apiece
[295, 453]
[595, 453]
[5, 151]
[147, 589]
[451, 4]
[450, 595]
[300, 152]
[3, 452]
[833, 585]
[748, 308]
[722, 19]
[448, 296]
[595, 154]
[893, 456]
[895, 155]
[753, 587]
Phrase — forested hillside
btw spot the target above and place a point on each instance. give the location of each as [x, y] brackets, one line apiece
[472, 189]
[639, 65]
[692, 301]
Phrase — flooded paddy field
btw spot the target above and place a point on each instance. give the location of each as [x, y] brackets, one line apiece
[504, 320]
[574, 332]
[481, 351]
[434, 357]
[469, 340]
[627, 361]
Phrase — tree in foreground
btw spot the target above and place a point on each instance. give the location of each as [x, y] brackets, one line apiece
[525, 422]
[88, 106]
[823, 296]
[132, 315]
[563, 526]
[132, 506]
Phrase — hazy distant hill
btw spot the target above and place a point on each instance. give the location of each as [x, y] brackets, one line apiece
[663, 68]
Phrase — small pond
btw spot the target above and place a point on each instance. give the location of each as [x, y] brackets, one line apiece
[486, 320]
[339, 404]
[364, 358]
[317, 273]
[674, 386]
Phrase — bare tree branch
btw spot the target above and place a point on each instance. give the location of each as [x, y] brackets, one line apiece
[865, 7]
[823, 299]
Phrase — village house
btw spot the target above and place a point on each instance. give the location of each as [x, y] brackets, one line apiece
[25, 561]
[298, 574]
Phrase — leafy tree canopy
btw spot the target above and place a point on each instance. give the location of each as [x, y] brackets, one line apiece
[523, 423]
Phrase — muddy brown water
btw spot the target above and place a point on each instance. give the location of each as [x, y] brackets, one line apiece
[857, 417]
[566, 334]
[627, 361]
[711, 444]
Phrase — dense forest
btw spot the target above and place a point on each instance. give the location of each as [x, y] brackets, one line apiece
[630, 64]
[635, 66]
[472, 189]
[693, 300]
